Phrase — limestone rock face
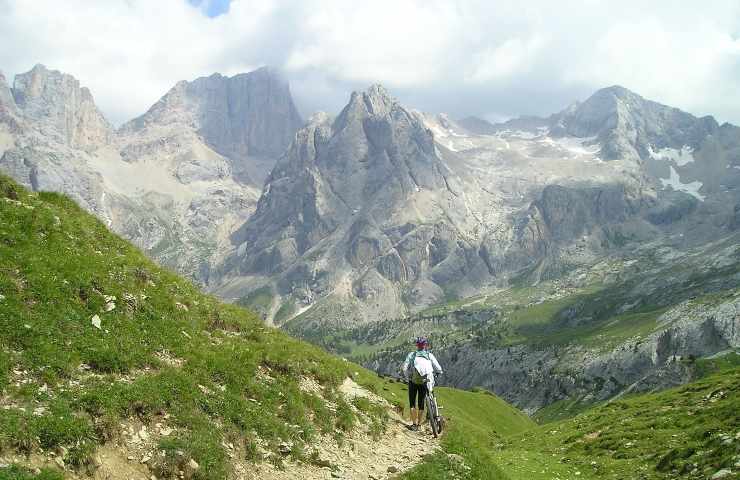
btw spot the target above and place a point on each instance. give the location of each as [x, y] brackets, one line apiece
[247, 115]
[60, 108]
[352, 196]
[374, 154]
[564, 214]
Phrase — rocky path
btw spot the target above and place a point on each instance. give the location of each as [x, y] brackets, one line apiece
[360, 457]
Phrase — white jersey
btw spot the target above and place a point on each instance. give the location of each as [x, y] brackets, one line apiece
[425, 366]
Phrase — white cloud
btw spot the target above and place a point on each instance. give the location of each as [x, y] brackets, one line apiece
[469, 57]
[513, 57]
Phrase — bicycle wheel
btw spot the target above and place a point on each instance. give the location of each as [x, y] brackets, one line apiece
[438, 418]
[431, 406]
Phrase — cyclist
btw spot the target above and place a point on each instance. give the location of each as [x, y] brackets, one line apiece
[418, 369]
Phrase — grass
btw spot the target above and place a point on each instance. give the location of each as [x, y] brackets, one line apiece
[476, 422]
[286, 310]
[561, 410]
[687, 432]
[718, 363]
[15, 472]
[215, 368]
[259, 301]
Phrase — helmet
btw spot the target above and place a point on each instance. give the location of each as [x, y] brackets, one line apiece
[421, 341]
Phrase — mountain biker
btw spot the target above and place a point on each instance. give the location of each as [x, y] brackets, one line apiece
[418, 369]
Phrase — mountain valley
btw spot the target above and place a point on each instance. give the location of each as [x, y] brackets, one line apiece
[112, 367]
[556, 261]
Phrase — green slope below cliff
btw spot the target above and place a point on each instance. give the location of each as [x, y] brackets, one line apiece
[96, 340]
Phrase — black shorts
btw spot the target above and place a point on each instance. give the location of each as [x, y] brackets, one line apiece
[417, 394]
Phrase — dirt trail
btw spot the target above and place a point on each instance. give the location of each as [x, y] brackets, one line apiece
[360, 457]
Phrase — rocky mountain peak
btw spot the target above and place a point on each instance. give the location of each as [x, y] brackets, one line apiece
[374, 102]
[628, 125]
[63, 109]
[249, 114]
[339, 199]
[378, 100]
[600, 111]
[619, 92]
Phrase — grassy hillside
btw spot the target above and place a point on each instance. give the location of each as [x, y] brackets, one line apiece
[475, 421]
[93, 334]
[688, 432]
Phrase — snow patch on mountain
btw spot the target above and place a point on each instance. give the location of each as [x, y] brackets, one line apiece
[446, 132]
[575, 145]
[674, 181]
[517, 134]
[682, 156]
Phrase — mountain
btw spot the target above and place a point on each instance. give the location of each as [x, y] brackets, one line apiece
[625, 124]
[49, 127]
[195, 160]
[385, 222]
[398, 210]
[245, 118]
[63, 111]
[347, 210]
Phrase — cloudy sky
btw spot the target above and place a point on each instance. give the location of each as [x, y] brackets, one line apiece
[492, 58]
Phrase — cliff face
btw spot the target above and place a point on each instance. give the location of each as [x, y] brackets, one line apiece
[533, 378]
[60, 108]
[351, 209]
[7, 102]
[247, 115]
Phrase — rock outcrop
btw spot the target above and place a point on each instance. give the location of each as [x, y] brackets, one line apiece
[247, 115]
[60, 109]
[626, 124]
[532, 377]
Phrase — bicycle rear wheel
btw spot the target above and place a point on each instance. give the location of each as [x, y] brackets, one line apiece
[431, 406]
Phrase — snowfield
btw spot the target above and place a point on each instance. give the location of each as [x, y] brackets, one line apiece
[682, 156]
[674, 181]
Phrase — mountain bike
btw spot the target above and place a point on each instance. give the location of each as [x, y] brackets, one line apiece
[436, 421]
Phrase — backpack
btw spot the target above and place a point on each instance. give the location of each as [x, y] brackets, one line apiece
[416, 377]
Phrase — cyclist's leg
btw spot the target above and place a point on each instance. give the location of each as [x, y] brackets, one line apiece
[422, 399]
[413, 392]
